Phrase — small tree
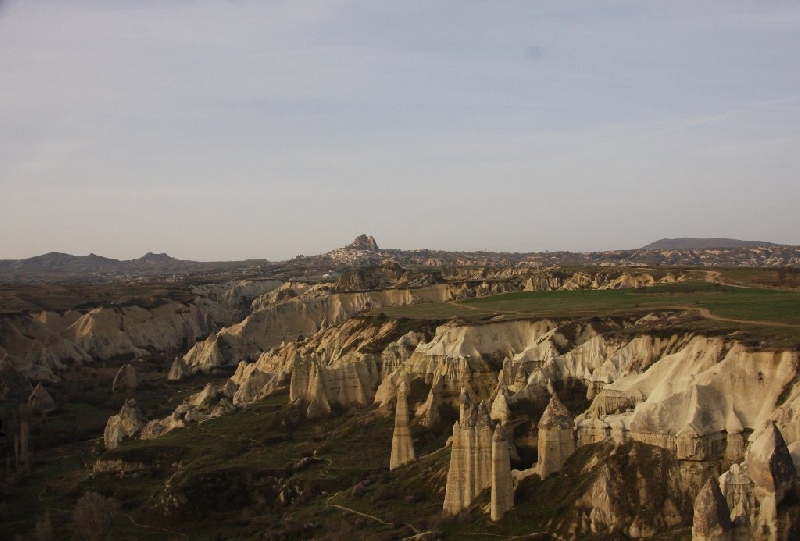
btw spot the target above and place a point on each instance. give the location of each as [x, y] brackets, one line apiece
[94, 515]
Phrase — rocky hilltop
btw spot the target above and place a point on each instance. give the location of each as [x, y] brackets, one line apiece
[363, 242]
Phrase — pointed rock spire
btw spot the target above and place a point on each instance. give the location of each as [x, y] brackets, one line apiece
[556, 437]
[402, 444]
[179, 370]
[502, 482]
[40, 400]
[712, 519]
[769, 463]
[500, 411]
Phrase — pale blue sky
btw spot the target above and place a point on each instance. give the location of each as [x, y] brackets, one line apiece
[242, 129]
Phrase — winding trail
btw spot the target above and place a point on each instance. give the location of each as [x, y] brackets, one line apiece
[146, 527]
[348, 509]
[704, 312]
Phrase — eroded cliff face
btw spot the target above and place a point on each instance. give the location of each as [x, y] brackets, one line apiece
[295, 318]
[682, 406]
[39, 344]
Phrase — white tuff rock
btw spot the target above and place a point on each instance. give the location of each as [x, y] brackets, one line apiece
[402, 445]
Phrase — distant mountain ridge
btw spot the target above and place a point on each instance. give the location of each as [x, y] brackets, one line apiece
[59, 266]
[693, 243]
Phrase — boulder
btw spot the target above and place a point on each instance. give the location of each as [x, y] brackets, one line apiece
[127, 423]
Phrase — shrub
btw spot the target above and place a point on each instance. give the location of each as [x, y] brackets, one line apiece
[94, 515]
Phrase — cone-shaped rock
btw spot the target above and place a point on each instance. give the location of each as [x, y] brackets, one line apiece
[317, 399]
[769, 463]
[556, 437]
[402, 445]
[178, 371]
[40, 400]
[500, 411]
[712, 521]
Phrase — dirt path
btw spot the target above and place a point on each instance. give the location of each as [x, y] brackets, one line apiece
[704, 312]
[207, 431]
[348, 509]
[146, 527]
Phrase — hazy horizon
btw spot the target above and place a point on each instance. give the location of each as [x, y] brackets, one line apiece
[232, 130]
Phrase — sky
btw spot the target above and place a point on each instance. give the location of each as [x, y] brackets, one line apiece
[226, 130]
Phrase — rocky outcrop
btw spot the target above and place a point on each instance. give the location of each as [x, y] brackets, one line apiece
[737, 488]
[178, 371]
[500, 411]
[711, 515]
[314, 393]
[40, 400]
[502, 482]
[631, 490]
[428, 412]
[402, 445]
[37, 351]
[238, 294]
[700, 399]
[132, 330]
[126, 424]
[125, 379]
[470, 457]
[319, 385]
[298, 317]
[769, 465]
[556, 438]
[209, 403]
[44, 341]
[364, 242]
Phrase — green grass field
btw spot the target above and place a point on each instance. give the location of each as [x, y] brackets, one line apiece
[750, 304]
